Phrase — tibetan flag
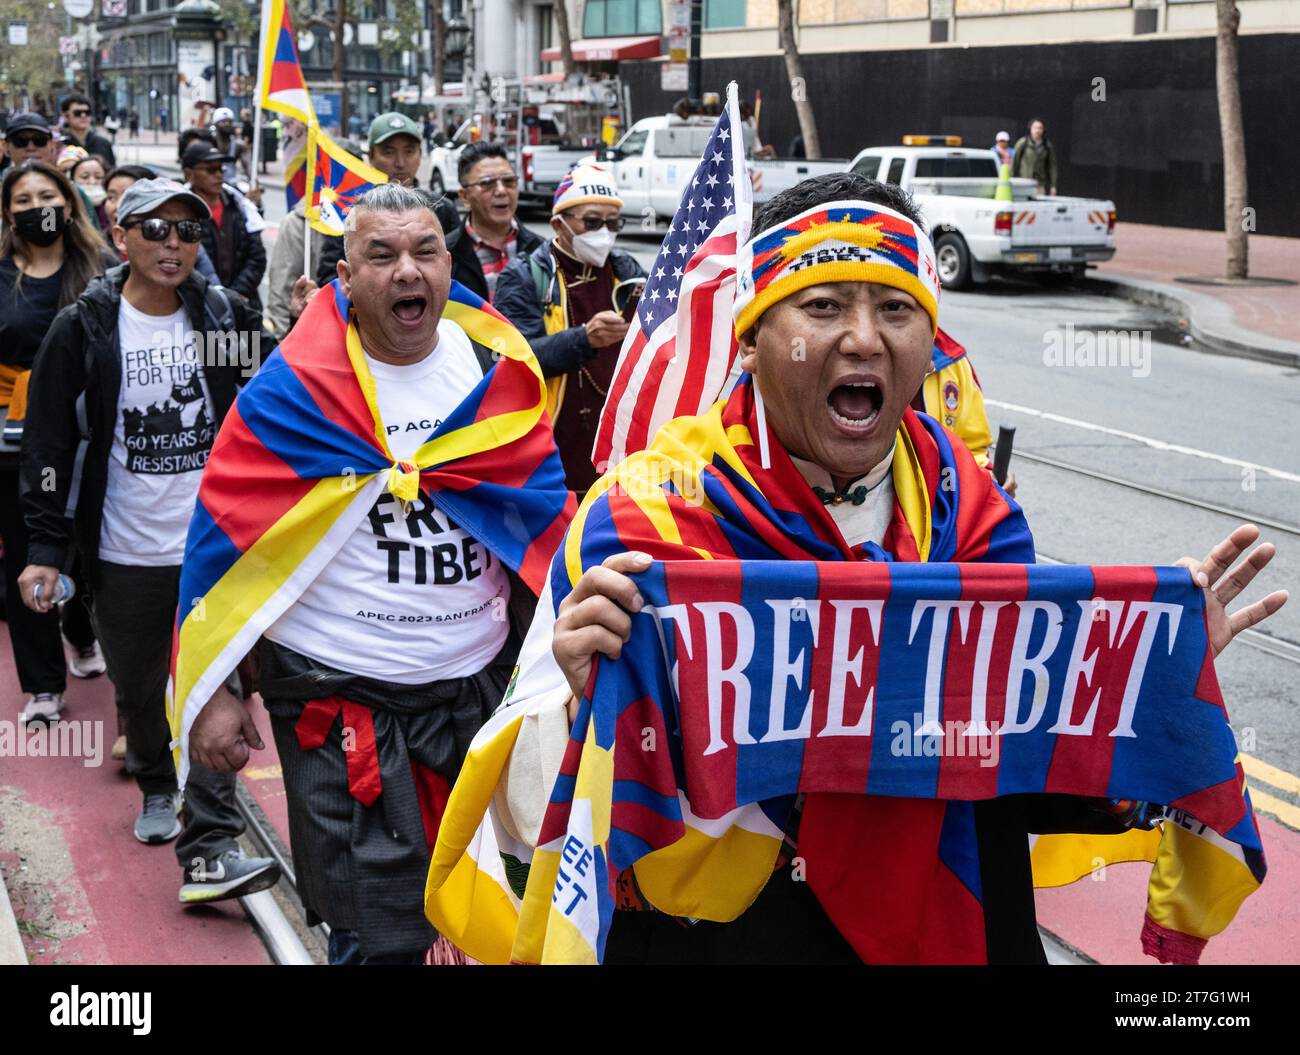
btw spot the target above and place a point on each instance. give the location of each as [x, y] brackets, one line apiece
[883, 687]
[281, 85]
[747, 580]
[335, 180]
[302, 458]
[295, 179]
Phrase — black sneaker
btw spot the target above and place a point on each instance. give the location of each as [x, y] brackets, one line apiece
[228, 875]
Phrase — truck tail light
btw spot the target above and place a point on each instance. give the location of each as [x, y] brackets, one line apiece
[1002, 223]
[1110, 221]
[528, 166]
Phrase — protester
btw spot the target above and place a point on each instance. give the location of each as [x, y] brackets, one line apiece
[1002, 148]
[815, 456]
[394, 149]
[236, 251]
[491, 236]
[131, 346]
[402, 620]
[69, 156]
[115, 185]
[561, 296]
[48, 253]
[289, 289]
[78, 128]
[27, 138]
[1035, 158]
[88, 175]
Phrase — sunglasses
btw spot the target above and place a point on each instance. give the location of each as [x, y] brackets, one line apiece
[23, 142]
[156, 229]
[488, 182]
[595, 223]
[79, 113]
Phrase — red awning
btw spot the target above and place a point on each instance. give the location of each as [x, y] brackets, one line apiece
[609, 49]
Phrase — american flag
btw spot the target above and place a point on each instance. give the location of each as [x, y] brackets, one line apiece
[680, 350]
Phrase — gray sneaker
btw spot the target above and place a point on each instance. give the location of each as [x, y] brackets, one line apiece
[158, 821]
[43, 707]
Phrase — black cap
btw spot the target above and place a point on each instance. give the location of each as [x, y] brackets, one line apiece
[199, 151]
[27, 122]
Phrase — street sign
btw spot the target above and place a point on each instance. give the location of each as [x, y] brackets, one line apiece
[113, 8]
[68, 46]
[679, 43]
[674, 77]
[17, 34]
[78, 8]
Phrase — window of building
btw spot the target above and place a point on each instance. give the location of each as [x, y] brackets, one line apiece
[621, 18]
[724, 14]
[955, 168]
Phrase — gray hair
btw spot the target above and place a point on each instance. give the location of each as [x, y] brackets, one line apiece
[386, 197]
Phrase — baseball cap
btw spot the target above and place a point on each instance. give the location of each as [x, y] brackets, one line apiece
[145, 195]
[27, 122]
[222, 113]
[1001, 136]
[200, 151]
[385, 126]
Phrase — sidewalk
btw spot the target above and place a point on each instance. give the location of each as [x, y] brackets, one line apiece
[1256, 321]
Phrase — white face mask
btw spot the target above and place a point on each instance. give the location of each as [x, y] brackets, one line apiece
[95, 193]
[592, 247]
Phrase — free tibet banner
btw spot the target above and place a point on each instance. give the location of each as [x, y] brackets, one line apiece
[745, 684]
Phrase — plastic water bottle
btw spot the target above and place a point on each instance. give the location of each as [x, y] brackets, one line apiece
[63, 591]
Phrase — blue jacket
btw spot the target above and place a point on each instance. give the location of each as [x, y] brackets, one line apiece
[516, 298]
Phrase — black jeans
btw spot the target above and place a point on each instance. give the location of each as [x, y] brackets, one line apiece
[38, 652]
[135, 613]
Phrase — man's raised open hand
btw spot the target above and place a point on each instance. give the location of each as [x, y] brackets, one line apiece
[1222, 585]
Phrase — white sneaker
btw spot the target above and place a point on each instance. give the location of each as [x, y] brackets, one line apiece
[43, 707]
[86, 662]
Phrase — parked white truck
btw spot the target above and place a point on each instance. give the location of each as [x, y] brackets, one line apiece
[655, 160]
[976, 235]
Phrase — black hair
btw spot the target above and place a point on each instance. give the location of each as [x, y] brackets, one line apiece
[834, 186]
[103, 164]
[476, 152]
[190, 135]
[135, 172]
[72, 99]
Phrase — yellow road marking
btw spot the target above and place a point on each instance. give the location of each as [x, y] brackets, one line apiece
[262, 773]
[1275, 807]
[1278, 778]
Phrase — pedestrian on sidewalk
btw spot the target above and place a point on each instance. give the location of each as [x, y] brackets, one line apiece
[491, 236]
[1002, 148]
[407, 623]
[128, 353]
[133, 120]
[112, 125]
[44, 266]
[1035, 158]
[235, 149]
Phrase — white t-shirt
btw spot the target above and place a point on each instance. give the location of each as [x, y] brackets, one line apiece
[161, 441]
[408, 598]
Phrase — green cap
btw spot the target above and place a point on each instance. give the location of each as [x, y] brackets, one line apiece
[385, 126]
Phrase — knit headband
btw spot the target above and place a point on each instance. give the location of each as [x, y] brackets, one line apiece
[845, 241]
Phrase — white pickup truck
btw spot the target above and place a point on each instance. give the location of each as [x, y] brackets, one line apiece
[976, 235]
[655, 160]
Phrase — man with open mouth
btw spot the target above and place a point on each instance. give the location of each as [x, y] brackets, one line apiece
[402, 616]
[817, 454]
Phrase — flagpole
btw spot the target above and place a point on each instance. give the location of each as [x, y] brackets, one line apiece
[257, 140]
[265, 26]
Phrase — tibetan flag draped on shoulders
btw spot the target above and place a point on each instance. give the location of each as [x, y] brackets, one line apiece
[301, 459]
[281, 85]
[336, 180]
[887, 831]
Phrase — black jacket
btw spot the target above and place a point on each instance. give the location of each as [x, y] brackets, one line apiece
[465, 266]
[81, 356]
[517, 299]
[238, 256]
[94, 144]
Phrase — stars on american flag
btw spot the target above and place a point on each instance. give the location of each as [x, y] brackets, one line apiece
[700, 211]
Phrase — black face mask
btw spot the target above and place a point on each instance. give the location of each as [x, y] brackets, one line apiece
[41, 226]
